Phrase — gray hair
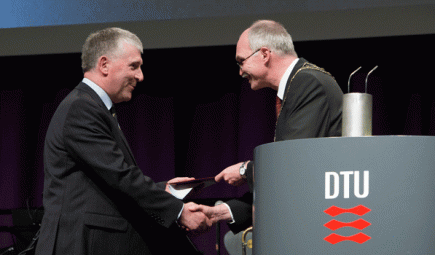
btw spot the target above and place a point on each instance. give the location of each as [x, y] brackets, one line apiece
[107, 41]
[271, 34]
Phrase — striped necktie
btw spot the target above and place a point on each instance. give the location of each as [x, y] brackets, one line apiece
[278, 106]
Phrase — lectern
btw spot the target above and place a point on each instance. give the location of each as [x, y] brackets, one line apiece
[345, 195]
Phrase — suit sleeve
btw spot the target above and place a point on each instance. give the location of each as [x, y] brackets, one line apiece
[89, 138]
[250, 175]
[241, 209]
[305, 111]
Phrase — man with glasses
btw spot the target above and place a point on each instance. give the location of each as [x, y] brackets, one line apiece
[309, 104]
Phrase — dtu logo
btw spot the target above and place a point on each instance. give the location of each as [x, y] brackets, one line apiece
[359, 210]
[346, 183]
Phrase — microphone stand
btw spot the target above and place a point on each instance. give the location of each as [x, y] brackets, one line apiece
[218, 231]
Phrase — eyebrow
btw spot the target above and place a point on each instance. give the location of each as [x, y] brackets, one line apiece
[137, 62]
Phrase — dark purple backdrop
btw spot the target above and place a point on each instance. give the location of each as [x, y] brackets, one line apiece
[193, 115]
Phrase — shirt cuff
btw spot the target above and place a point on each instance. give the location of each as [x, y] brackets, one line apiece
[231, 213]
[179, 214]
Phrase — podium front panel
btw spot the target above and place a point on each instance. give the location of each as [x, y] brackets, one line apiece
[345, 195]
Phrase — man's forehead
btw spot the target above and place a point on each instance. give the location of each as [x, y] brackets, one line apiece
[242, 47]
[133, 54]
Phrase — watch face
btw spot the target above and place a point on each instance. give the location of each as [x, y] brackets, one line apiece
[242, 171]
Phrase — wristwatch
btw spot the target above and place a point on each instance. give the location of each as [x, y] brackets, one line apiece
[242, 170]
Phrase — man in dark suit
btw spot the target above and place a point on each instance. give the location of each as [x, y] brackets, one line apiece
[309, 104]
[96, 199]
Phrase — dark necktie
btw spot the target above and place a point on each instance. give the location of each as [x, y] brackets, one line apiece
[113, 112]
[278, 106]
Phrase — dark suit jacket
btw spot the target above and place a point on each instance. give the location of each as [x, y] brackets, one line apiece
[96, 199]
[312, 107]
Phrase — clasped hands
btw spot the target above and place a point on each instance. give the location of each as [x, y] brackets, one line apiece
[194, 220]
[200, 218]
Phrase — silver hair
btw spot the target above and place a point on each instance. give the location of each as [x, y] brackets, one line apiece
[106, 42]
[271, 34]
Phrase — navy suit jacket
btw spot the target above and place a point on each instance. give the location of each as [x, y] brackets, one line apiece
[96, 199]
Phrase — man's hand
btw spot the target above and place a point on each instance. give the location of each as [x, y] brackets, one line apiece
[192, 219]
[231, 175]
[214, 213]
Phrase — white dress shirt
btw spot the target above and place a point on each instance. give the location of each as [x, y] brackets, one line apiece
[284, 79]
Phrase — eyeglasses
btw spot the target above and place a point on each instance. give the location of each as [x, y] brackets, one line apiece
[240, 63]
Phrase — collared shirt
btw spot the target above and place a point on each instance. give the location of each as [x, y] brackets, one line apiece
[284, 79]
[101, 93]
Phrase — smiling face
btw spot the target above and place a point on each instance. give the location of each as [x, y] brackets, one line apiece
[251, 63]
[124, 72]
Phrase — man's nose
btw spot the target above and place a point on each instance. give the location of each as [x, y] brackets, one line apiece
[139, 75]
[240, 71]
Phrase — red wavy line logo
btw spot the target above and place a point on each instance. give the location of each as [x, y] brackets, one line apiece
[359, 210]
[358, 238]
[358, 224]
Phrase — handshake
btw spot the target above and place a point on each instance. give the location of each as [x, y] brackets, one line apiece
[200, 218]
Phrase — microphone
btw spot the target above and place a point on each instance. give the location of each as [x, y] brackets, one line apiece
[8, 250]
[218, 231]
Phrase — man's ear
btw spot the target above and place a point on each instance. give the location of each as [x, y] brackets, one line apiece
[103, 65]
[265, 54]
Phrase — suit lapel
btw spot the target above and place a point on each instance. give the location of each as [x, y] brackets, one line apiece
[298, 65]
[117, 131]
[126, 145]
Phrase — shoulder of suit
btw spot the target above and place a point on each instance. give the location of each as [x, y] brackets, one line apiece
[310, 68]
[307, 66]
[89, 94]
